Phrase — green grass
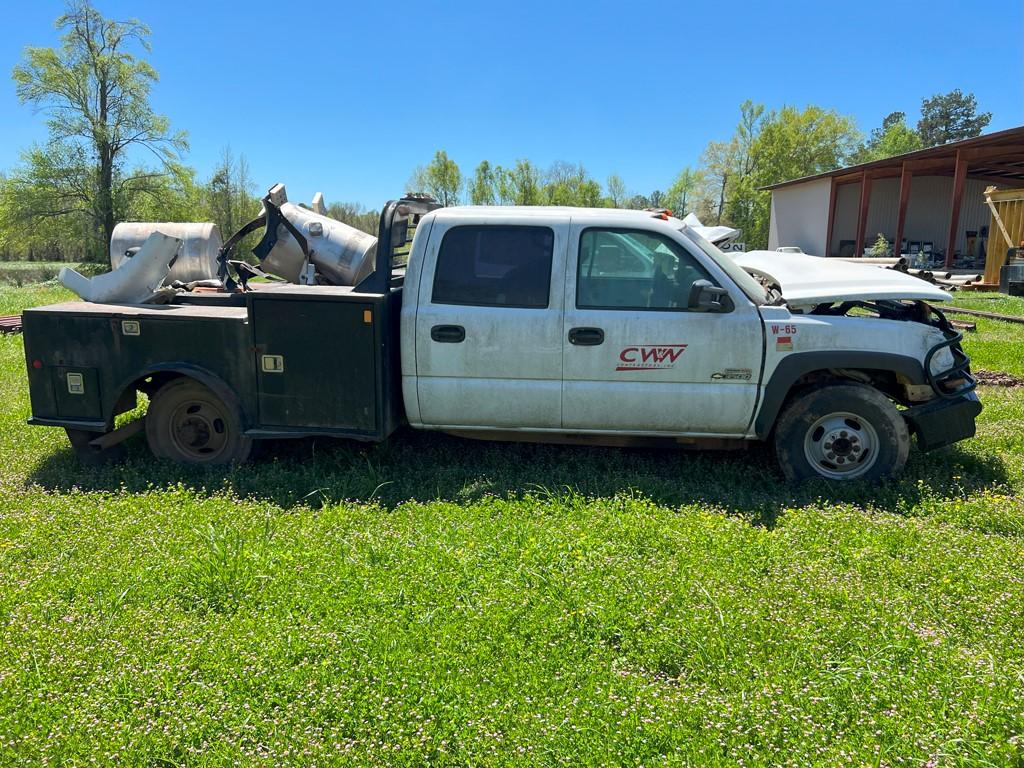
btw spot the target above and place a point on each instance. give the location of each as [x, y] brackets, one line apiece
[995, 345]
[28, 273]
[437, 601]
[19, 273]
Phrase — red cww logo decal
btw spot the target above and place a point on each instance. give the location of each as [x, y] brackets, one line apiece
[648, 357]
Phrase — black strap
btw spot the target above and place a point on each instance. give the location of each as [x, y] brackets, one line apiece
[247, 271]
[274, 218]
[271, 218]
[229, 246]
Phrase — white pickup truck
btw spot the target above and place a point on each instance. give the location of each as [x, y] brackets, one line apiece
[550, 324]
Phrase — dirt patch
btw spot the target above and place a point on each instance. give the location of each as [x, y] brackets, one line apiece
[998, 379]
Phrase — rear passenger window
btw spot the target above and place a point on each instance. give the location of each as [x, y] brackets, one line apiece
[494, 266]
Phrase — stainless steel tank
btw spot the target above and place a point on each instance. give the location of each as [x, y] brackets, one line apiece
[342, 254]
[197, 254]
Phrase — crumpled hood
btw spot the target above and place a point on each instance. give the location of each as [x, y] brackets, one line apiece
[816, 280]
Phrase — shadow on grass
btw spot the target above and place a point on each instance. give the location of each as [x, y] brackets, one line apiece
[430, 466]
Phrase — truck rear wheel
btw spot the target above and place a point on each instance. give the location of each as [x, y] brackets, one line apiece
[188, 423]
[841, 432]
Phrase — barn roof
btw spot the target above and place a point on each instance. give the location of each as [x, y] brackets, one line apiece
[996, 156]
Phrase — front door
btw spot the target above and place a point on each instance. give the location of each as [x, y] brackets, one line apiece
[636, 359]
[489, 325]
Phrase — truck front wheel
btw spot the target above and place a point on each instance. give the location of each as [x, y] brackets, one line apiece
[841, 432]
[188, 423]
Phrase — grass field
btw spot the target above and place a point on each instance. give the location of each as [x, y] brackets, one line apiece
[436, 601]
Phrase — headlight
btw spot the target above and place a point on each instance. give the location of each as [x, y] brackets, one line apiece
[941, 361]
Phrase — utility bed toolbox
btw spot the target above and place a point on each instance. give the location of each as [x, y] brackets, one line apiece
[319, 359]
[294, 360]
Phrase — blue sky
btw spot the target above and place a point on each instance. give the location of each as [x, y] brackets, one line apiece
[349, 98]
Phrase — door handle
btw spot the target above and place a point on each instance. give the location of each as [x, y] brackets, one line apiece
[448, 334]
[586, 337]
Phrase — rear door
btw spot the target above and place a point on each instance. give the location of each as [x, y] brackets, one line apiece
[636, 359]
[489, 324]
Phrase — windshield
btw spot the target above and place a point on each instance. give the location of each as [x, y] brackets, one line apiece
[753, 289]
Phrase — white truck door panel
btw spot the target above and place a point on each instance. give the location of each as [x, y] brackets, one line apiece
[656, 368]
[495, 358]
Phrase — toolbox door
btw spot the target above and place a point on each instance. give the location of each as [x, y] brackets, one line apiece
[316, 364]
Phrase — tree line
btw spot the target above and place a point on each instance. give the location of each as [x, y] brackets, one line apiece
[64, 198]
[767, 147]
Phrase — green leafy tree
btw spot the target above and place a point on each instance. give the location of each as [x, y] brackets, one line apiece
[880, 248]
[727, 166]
[616, 189]
[356, 216]
[521, 184]
[230, 194]
[952, 116]
[898, 139]
[568, 184]
[24, 237]
[768, 147]
[795, 143]
[441, 178]
[94, 90]
[679, 196]
[718, 166]
[483, 190]
[791, 143]
[170, 196]
[893, 138]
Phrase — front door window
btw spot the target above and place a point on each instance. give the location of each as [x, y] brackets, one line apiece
[634, 269]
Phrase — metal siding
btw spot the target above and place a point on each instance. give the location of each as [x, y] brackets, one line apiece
[800, 217]
[885, 203]
[974, 214]
[928, 211]
[845, 227]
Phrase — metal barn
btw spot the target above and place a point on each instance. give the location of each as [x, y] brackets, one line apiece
[929, 201]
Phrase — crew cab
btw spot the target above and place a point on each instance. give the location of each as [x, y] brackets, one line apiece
[552, 324]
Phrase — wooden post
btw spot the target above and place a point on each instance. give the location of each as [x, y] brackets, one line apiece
[959, 175]
[901, 217]
[862, 215]
[834, 189]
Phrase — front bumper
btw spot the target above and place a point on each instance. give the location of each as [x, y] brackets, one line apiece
[944, 421]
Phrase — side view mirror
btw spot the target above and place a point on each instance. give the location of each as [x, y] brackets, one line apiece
[705, 297]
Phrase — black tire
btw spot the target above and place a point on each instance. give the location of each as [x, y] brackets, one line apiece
[88, 455]
[841, 432]
[189, 424]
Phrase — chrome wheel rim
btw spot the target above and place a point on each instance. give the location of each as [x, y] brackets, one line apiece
[841, 446]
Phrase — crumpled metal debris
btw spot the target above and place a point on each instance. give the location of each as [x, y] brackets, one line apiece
[135, 281]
